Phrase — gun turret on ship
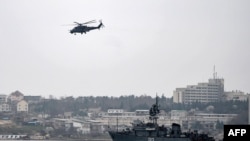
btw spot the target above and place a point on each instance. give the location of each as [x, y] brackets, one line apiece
[151, 131]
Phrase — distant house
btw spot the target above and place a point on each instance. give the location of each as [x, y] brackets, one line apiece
[15, 96]
[68, 115]
[115, 112]
[142, 112]
[4, 107]
[22, 106]
[3, 98]
[208, 120]
[178, 114]
[83, 127]
[235, 95]
[94, 112]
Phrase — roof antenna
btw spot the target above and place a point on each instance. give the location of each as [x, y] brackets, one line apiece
[215, 73]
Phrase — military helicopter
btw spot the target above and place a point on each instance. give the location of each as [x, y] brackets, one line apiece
[83, 28]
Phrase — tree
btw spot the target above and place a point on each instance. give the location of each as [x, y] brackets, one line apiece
[197, 125]
[219, 125]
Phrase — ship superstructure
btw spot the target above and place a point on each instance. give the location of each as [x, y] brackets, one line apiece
[151, 131]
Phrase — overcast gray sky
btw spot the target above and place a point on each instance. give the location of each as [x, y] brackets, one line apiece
[146, 47]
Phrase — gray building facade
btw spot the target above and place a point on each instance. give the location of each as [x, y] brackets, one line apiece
[210, 91]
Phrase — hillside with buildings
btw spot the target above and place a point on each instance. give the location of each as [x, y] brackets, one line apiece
[205, 107]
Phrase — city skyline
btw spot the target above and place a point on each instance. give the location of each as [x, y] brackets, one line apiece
[146, 47]
[185, 87]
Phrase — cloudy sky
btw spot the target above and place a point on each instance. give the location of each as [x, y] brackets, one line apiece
[146, 46]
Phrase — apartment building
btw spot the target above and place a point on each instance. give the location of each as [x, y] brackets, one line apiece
[3, 98]
[22, 106]
[210, 91]
[235, 95]
[4, 107]
[15, 96]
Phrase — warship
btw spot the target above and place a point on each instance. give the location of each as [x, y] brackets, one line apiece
[151, 131]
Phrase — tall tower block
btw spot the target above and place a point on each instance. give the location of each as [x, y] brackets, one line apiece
[249, 109]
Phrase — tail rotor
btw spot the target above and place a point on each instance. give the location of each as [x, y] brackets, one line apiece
[101, 24]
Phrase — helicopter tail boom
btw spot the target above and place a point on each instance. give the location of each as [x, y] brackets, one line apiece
[100, 25]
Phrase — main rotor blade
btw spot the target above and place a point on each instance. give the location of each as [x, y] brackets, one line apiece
[93, 21]
[77, 23]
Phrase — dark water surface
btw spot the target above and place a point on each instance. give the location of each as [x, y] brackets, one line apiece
[64, 140]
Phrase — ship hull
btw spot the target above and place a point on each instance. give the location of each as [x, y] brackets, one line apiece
[127, 137]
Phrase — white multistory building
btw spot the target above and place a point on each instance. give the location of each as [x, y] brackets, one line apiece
[210, 91]
[22, 106]
[4, 107]
[249, 109]
[3, 98]
[235, 96]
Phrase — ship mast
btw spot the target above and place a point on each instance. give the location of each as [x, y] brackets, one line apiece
[154, 111]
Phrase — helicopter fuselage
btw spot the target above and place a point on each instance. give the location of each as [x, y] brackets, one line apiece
[83, 29]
